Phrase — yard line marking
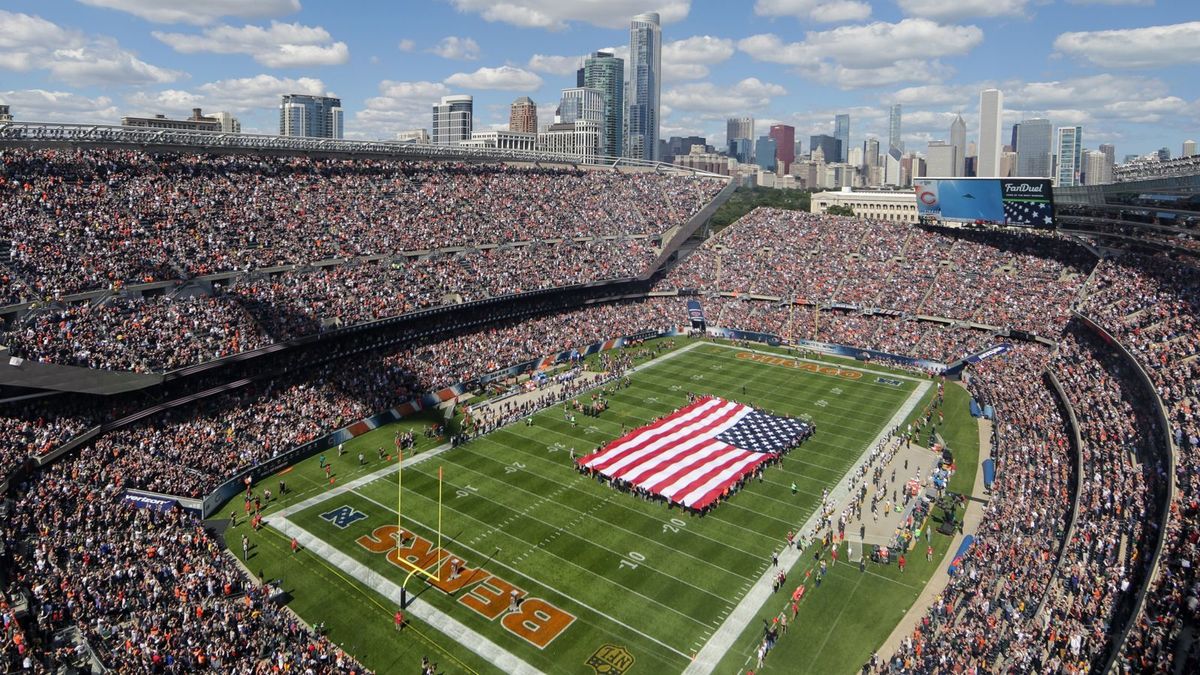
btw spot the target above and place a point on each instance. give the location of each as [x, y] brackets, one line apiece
[452, 628]
[545, 585]
[569, 562]
[607, 523]
[710, 655]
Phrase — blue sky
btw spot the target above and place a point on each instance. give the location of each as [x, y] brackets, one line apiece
[1124, 69]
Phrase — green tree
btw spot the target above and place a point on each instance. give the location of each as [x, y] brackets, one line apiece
[839, 210]
[745, 200]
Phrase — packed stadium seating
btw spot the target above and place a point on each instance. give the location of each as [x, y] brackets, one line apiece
[962, 275]
[1151, 305]
[988, 608]
[1045, 587]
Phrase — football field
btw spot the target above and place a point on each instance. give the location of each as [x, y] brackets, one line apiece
[607, 582]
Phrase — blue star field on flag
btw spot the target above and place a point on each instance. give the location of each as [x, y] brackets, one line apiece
[760, 432]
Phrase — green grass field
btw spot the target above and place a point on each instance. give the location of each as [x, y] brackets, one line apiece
[635, 574]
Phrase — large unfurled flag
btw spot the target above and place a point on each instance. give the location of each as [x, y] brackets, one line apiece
[693, 455]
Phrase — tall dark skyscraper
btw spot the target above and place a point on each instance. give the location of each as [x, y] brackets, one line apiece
[830, 147]
[842, 133]
[606, 72]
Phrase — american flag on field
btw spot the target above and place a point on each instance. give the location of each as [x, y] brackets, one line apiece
[693, 455]
[1040, 214]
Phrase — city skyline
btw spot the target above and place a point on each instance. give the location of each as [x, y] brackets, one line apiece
[765, 59]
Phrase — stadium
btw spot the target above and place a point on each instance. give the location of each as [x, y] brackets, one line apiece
[275, 404]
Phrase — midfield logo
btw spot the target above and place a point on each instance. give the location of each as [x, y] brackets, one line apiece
[343, 516]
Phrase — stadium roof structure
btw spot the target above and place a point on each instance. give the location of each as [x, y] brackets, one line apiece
[1161, 213]
[216, 141]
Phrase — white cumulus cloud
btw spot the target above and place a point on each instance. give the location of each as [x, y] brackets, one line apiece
[29, 42]
[508, 78]
[198, 13]
[869, 55]
[710, 100]
[459, 49]
[240, 94]
[557, 14]
[1149, 47]
[963, 9]
[827, 11]
[281, 45]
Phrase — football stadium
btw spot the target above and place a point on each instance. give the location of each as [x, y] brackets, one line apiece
[307, 402]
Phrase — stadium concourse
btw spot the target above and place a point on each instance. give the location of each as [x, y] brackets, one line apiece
[1085, 555]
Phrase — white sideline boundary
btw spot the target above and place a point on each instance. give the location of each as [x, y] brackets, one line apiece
[705, 660]
[452, 628]
[751, 604]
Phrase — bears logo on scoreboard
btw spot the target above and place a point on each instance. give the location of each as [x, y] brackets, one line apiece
[343, 516]
[611, 660]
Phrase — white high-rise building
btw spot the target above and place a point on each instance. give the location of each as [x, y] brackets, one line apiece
[991, 110]
[581, 103]
[941, 159]
[452, 119]
[644, 88]
[958, 138]
[1189, 149]
[312, 116]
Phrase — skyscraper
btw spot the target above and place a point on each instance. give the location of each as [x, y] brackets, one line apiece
[1189, 148]
[940, 159]
[739, 127]
[644, 89]
[452, 119]
[1110, 152]
[841, 132]
[313, 116]
[606, 72]
[1070, 156]
[764, 153]
[958, 138]
[894, 128]
[991, 111]
[785, 144]
[1034, 140]
[581, 103]
[522, 116]
[1097, 169]
[1164, 154]
[829, 146]
[870, 154]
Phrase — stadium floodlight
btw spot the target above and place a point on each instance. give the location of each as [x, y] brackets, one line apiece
[414, 568]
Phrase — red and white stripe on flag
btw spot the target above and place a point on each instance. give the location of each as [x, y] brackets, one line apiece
[679, 457]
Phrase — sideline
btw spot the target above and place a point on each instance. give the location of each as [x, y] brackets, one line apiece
[460, 633]
[710, 655]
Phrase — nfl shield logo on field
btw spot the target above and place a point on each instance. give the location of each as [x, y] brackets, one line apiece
[611, 660]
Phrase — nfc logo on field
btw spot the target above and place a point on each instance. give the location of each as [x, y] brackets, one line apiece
[611, 660]
[343, 516]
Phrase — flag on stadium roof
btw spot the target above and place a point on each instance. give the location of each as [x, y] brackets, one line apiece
[693, 455]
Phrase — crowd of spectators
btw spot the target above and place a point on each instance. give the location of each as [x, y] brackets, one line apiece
[1019, 280]
[85, 219]
[153, 592]
[145, 334]
[150, 591]
[1121, 472]
[988, 618]
[1151, 305]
